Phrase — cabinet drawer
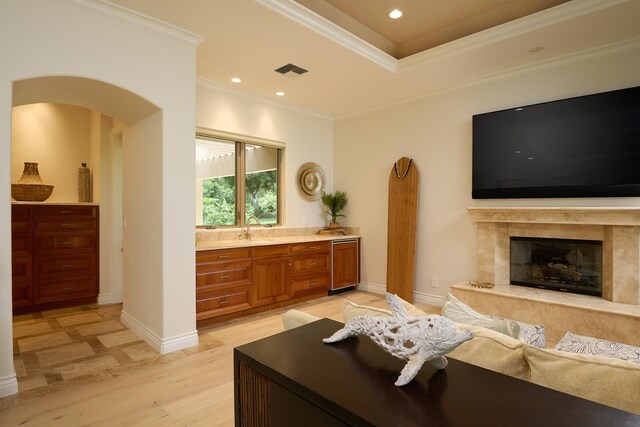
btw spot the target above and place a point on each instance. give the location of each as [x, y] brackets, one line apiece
[300, 248]
[20, 225]
[270, 251]
[65, 225]
[64, 243]
[216, 274]
[21, 244]
[309, 285]
[60, 290]
[71, 265]
[310, 263]
[216, 303]
[63, 211]
[22, 269]
[22, 293]
[20, 211]
[222, 255]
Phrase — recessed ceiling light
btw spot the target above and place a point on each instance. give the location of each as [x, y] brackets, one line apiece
[536, 49]
[395, 14]
[236, 79]
[279, 93]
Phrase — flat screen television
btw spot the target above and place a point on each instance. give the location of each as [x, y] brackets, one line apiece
[587, 146]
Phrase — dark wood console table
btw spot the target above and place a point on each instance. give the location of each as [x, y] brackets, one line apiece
[294, 379]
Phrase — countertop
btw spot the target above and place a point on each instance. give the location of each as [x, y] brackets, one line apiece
[268, 241]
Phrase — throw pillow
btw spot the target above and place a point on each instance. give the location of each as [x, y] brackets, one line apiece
[573, 343]
[351, 310]
[532, 334]
[458, 311]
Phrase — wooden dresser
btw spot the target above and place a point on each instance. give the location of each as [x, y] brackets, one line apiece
[55, 255]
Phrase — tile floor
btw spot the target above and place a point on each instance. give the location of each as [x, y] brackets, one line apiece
[58, 348]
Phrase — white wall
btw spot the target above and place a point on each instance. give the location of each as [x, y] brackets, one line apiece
[57, 137]
[124, 67]
[308, 138]
[436, 132]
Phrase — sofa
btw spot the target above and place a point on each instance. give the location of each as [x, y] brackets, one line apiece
[604, 380]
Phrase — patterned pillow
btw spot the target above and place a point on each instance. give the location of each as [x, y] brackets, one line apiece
[573, 343]
[533, 335]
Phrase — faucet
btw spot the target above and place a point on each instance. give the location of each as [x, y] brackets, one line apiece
[247, 233]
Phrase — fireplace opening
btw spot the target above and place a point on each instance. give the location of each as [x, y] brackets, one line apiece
[559, 264]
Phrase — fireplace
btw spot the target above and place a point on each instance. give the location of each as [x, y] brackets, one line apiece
[566, 265]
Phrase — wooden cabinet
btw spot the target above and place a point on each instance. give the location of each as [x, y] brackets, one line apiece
[346, 260]
[239, 281]
[55, 255]
[223, 279]
[310, 272]
[271, 278]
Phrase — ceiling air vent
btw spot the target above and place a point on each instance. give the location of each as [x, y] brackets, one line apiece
[290, 70]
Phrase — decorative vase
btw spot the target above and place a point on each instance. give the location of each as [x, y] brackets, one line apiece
[30, 187]
[334, 224]
[84, 183]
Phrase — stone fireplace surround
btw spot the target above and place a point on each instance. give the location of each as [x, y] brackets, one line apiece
[615, 316]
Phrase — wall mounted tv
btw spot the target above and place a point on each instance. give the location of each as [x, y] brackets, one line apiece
[587, 146]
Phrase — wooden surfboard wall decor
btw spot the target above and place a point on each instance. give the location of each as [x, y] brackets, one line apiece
[401, 234]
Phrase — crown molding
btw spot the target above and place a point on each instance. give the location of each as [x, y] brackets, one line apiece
[544, 18]
[584, 55]
[126, 14]
[328, 29]
[201, 81]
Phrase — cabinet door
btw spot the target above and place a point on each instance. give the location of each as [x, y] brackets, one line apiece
[271, 280]
[345, 264]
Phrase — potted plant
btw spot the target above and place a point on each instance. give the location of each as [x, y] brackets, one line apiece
[335, 202]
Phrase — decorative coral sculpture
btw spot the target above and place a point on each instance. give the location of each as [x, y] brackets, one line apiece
[414, 339]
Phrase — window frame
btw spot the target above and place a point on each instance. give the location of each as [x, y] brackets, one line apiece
[241, 141]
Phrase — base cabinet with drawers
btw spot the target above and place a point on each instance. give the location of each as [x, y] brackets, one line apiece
[239, 281]
[54, 255]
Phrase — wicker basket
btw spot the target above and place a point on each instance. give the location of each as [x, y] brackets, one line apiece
[31, 192]
[30, 187]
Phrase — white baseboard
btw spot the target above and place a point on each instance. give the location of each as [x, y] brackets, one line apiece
[372, 287]
[105, 299]
[8, 385]
[420, 297]
[161, 345]
[430, 299]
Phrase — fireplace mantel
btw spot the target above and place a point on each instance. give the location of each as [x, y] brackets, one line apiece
[617, 227]
[629, 216]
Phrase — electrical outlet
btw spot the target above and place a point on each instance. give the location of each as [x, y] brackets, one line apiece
[434, 282]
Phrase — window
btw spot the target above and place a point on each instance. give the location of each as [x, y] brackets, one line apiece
[236, 180]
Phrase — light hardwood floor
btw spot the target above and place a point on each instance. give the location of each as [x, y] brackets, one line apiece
[190, 387]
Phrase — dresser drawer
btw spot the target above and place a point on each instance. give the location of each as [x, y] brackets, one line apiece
[21, 225]
[67, 265]
[64, 211]
[208, 275]
[20, 211]
[22, 293]
[64, 243]
[21, 244]
[65, 225]
[308, 285]
[60, 290]
[310, 263]
[300, 248]
[216, 303]
[222, 255]
[22, 269]
[270, 251]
